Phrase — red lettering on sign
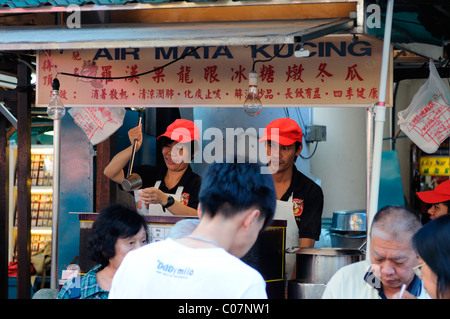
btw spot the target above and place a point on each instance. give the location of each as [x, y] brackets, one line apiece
[133, 71]
[159, 75]
[267, 73]
[238, 74]
[184, 74]
[295, 73]
[211, 74]
[353, 73]
[323, 72]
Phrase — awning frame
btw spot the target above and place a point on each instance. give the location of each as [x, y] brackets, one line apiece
[170, 34]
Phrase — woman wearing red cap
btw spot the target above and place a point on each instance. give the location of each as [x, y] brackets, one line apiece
[300, 200]
[439, 198]
[175, 186]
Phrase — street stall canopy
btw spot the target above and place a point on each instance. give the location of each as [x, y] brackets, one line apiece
[418, 26]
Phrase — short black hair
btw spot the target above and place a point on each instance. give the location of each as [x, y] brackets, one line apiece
[113, 222]
[230, 187]
[432, 244]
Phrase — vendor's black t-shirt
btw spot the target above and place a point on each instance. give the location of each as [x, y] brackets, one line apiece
[190, 181]
[308, 205]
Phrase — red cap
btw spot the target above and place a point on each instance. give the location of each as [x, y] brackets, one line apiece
[288, 132]
[439, 194]
[182, 131]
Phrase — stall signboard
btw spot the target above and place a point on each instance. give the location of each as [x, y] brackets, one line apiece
[341, 70]
[434, 165]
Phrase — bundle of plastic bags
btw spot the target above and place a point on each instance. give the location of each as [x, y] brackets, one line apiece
[98, 122]
[426, 121]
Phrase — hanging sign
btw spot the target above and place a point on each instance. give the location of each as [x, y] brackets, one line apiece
[434, 165]
[340, 71]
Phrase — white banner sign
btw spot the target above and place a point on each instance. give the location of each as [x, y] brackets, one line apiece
[340, 71]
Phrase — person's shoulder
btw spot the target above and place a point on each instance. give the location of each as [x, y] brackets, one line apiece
[303, 181]
[147, 250]
[353, 269]
[92, 273]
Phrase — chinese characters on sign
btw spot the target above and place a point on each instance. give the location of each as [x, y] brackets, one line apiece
[338, 72]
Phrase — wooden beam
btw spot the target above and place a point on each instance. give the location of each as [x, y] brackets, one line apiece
[23, 183]
[104, 188]
[4, 212]
[236, 13]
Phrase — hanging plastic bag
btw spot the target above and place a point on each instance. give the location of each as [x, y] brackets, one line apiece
[426, 121]
[98, 122]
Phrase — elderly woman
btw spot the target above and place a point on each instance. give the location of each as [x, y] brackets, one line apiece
[116, 231]
[432, 244]
[172, 186]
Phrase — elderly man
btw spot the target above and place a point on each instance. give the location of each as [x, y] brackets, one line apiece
[392, 260]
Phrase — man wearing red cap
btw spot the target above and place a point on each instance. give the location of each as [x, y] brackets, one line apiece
[439, 198]
[300, 200]
[175, 186]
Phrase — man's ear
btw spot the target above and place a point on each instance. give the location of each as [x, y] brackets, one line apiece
[297, 153]
[251, 215]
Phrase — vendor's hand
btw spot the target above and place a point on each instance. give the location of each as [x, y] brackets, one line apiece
[153, 195]
[136, 134]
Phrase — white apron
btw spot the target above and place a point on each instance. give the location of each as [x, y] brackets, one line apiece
[285, 211]
[155, 209]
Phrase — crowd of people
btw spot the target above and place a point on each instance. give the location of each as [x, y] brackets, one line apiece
[235, 201]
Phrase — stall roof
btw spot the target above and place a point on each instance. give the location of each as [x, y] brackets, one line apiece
[419, 26]
[169, 34]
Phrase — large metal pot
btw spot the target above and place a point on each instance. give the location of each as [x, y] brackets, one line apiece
[349, 220]
[299, 290]
[318, 265]
[346, 239]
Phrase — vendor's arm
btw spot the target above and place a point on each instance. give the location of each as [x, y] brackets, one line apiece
[306, 242]
[114, 170]
[153, 195]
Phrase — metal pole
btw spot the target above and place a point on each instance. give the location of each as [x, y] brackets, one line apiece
[55, 203]
[380, 117]
[369, 148]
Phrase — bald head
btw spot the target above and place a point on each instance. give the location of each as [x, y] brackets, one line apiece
[396, 223]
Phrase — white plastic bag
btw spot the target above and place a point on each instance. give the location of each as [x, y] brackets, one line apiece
[426, 121]
[98, 122]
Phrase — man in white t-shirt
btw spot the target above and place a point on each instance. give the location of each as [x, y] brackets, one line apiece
[391, 265]
[236, 203]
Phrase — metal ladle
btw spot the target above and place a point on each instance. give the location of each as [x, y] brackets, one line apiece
[133, 181]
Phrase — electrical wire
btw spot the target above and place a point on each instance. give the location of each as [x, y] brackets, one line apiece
[315, 148]
[268, 60]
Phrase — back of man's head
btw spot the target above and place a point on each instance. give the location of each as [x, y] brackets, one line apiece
[397, 223]
[230, 188]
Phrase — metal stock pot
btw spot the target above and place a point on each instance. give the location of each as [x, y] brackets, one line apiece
[349, 220]
[318, 265]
